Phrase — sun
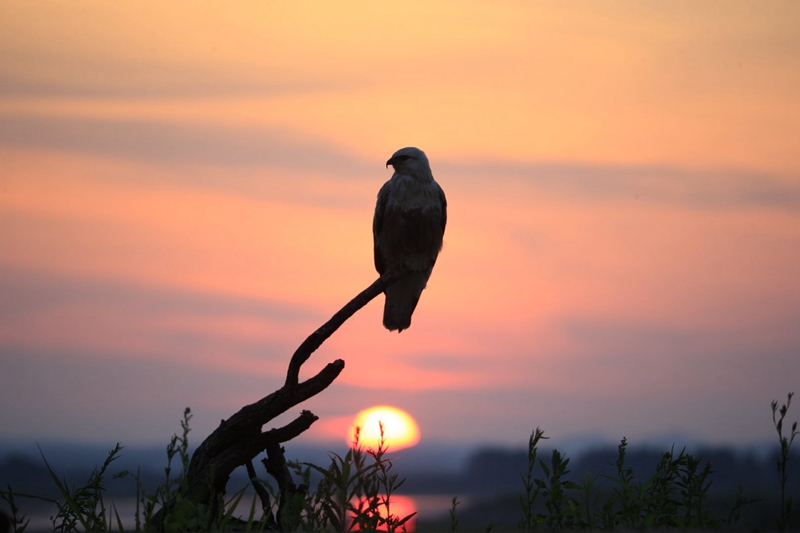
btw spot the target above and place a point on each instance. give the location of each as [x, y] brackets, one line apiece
[400, 430]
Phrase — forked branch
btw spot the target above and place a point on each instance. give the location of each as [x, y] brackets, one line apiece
[239, 439]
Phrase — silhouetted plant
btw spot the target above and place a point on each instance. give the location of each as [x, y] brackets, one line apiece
[388, 483]
[623, 494]
[352, 491]
[673, 496]
[778, 415]
[694, 485]
[355, 488]
[588, 497]
[83, 505]
[740, 501]
[17, 521]
[562, 511]
[529, 520]
[453, 516]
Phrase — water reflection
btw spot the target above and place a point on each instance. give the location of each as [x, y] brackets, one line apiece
[400, 507]
[428, 507]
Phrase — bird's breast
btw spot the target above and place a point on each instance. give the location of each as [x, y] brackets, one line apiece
[407, 193]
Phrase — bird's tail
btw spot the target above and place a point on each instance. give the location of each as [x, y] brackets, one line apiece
[401, 300]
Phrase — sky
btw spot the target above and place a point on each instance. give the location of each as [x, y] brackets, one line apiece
[187, 190]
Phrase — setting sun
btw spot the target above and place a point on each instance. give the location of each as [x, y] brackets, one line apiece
[400, 430]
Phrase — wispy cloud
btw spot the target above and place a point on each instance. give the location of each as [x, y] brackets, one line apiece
[661, 184]
[165, 142]
[309, 158]
[48, 312]
[29, 291]
[153, 80]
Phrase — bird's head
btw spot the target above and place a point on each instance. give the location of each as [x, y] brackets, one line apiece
[410, 161]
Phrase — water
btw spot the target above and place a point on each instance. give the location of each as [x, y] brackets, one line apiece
[427, 507]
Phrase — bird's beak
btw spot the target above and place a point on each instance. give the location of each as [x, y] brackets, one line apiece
[390, 162]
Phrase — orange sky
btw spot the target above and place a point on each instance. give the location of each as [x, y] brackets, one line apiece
[186, 192]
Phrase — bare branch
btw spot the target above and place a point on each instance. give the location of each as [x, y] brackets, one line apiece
[316, 339]
[240, 438]
[275, 464]
[263, 495]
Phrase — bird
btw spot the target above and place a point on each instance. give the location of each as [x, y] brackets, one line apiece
[408, 232]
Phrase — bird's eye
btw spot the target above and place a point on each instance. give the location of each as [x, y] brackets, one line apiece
[403, 157]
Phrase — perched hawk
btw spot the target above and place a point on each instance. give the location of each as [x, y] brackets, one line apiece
[407, 230]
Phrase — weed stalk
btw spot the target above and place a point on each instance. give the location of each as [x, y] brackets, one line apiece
[778, 415]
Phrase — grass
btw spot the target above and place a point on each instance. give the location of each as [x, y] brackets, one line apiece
[672, 497]
[355, 492]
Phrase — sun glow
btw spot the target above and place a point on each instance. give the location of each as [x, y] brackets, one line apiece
[400, 430]
[400, 507]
